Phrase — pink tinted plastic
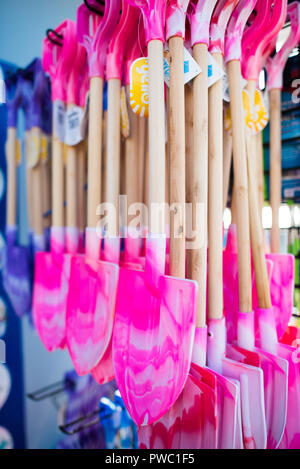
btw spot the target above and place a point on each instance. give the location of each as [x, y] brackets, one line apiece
[275, 65]
[96, 43]
[90, 311]
[119, 41]
[191, 423]
[251, 385]
[218, 25]
[52, 272]
[75, 77]
[175, 18]
[91, 306]
[281, 268]
[58, 60]
[136, 49]
[85, 85]
[291, 437]
[200, 13]
[153, 337]
[260, 35]
[154, 16]
[235, 29]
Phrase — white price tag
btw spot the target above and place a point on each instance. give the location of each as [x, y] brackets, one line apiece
[74, 118]
[191, 68]
[215, 72]
[2, 88]
[59, 111]
[226, 94]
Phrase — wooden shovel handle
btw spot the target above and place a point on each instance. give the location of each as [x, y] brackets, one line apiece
[156, 134]
[275, 166]
[241, 185]
[215, 197]
[256, 231]
[227, 160]
[46, 192]
[72, 189]
[95, 149]
[177, 158]
[260, 170]
[113, 145]
[28, 179]
[131, 155]
[81, 175]
[141, 157]
[37, 200]
[57, 181]
[199, 176]
[11, 145]
[189, 111]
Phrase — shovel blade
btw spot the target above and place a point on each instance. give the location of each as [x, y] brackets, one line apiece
[191, 423]
[152, 342]
[17, 278]
[52, 273]
[252, 402]
[282, 289]
[291, 437]
[90, 311]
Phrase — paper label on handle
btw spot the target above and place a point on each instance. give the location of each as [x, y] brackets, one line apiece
[215, 72]
[59, 113]
[125, 125]
[191, 68]
[256, 114]
[74, 118]
[226, 93]
[2, 88]
[139, 87]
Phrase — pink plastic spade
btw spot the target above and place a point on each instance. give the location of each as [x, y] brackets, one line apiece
[256, 39]
[256, 42]
[52, 270]
[250, 377]
[155, 315]
[120, 40]
[93, 283]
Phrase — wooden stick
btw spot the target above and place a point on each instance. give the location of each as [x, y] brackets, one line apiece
[275, 166]
[257, 234]
[215, 197]
[113, 146]
[37, 201]
[57, 181]
[72, 189]
[146, 175]
[28, 178]
[189, 109]
[199, 177]
[177, 158]
[104, 157]
[46, 188]
[95, 150]
[227, 160]
[131, 155]
[11, 144]
[81, 155]
[241, 186]
[260, 170]
[156, 134]
[141, 157]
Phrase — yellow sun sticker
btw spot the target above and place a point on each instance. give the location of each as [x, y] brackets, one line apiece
[125, 128]
[18, 152]
[34, 151]
[44, 149]
[256, 115]
[139, 87]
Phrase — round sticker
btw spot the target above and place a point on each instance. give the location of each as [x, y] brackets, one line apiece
[139, 87]
[6, 440]
[256, 114]
[3, 317]
[5, 384]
